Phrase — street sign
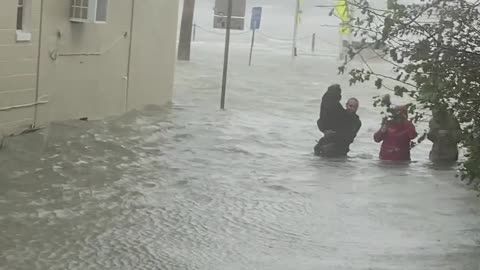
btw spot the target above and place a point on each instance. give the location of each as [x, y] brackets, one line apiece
[220, 22]
[256, 18]
[221, 12]
[238, 8]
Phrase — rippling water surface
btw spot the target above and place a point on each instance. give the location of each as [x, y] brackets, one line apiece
[192, 187]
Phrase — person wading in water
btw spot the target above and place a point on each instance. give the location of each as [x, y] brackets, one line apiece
[339, 126]
[445, 133]
[396, 136]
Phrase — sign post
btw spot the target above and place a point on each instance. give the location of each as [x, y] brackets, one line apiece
[227, 49]
[234, 19]
[254, 25]
[295, 28]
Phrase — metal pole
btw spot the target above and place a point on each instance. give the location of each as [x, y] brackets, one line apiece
[295, 29]
[251, 47]
[194, 35]
[313, 42]
[37, 80]
[185, 40]
[227, 49]
[341, 54]
[130, 53]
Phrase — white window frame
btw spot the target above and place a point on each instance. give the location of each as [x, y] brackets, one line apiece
[25, 33]
[92, 13]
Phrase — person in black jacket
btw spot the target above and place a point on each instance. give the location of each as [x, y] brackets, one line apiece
[331, 110]
[339, 126]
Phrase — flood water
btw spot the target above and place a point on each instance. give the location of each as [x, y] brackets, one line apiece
[191, 187]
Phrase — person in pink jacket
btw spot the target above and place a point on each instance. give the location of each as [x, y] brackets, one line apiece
[396, 136]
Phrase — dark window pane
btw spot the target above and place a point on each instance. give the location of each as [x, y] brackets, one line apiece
[19, 18]
[84, 13]
[78, 14]
[102, 10]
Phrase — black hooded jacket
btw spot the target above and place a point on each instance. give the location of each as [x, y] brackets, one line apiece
[335, 118]
[332, 113]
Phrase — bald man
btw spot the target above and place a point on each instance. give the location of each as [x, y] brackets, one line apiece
[337, 144]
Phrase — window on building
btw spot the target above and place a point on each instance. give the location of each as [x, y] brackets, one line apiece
[79, 9]
[24, 20]
[93, 11]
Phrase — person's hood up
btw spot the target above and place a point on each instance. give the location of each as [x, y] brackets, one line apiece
[333, 94]
[401, 110]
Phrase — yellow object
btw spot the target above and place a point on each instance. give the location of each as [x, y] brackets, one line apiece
[300, 10]
[342, 12]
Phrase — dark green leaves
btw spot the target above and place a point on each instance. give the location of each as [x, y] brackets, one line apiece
[432, 47]
[399, 90]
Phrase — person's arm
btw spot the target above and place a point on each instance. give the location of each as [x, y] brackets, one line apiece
[350, 136]
[433, 131]
[357, 127]
[431, 136]
[380, 134]
[411, 131]
[323, 118]
[456, 131]
[320, 125]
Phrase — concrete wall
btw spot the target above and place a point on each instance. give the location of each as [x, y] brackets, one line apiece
[18, 69]
[153, 52]
[89, 70]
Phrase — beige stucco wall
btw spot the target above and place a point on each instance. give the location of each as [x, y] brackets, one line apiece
[18, 68]
[110, 78]
[153, 52]
[89, 70]
[83, 65]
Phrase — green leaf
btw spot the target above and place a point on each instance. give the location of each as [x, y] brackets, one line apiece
[440, 60]
[379, 83]
[393, 54]
[399, 91]
[390, 4]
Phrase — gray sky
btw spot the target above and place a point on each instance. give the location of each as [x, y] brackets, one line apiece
[277, 23]
[278, 16]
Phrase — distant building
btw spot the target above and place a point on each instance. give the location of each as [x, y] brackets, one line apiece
[70, 59]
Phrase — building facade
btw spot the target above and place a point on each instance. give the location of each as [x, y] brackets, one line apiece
[71, 59]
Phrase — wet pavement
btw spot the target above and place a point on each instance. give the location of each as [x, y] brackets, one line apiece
[192, 187]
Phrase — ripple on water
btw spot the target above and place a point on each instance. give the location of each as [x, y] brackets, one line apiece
[190, 187]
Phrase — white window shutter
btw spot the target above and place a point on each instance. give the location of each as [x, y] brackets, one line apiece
[92, 10]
